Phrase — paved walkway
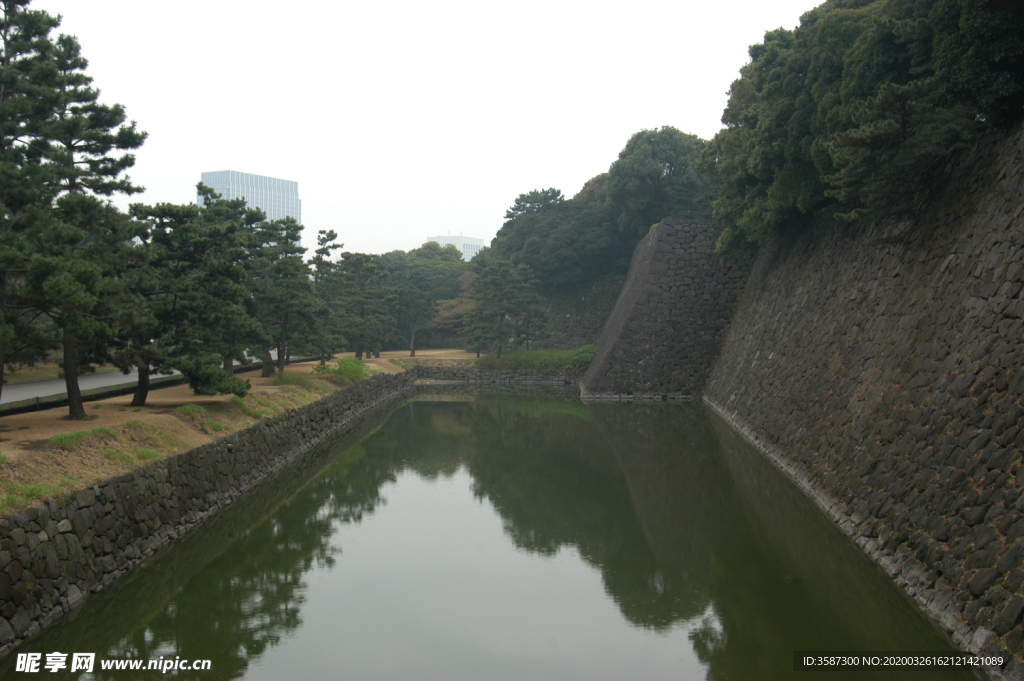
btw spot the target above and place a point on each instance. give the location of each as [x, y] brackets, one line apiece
[13, 392]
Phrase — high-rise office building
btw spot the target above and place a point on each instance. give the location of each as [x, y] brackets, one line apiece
[277, 198]
[467, 245]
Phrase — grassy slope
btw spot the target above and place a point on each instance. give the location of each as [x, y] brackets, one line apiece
[43, 455]
[53, 456]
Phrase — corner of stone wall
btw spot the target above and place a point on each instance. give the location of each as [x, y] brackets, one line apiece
[665, 331]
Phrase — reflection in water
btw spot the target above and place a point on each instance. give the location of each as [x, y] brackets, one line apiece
[232, 588]
[717, 566]
[779, 576]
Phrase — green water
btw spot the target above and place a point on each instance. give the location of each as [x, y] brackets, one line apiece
[499, 538]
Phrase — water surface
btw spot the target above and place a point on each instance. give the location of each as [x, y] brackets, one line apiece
[495, 537]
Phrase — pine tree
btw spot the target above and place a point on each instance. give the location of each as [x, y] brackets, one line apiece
[326, 335]
[282, 290]
[364, 310]
[185, 304]
[24, 53]
[77, 233]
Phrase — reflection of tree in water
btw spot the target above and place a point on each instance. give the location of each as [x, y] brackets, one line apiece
[552, 478]
[243, 602]
[554, 481]
[251, 595]
[231, 590]
[543, 464]
[775, 573]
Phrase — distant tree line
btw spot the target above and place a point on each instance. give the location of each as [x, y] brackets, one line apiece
[856, 113]
[187, 288]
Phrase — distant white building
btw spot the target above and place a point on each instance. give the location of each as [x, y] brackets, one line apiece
[467, 245]
[275, 197]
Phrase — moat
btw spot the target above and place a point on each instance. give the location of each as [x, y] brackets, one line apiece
[508, 537]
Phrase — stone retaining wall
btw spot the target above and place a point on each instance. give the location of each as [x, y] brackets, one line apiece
[667, 326]
[53, 556]
[884, 370]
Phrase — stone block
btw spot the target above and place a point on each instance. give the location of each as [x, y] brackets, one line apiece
[981, 641]
[1009, 615]
[1015, 640]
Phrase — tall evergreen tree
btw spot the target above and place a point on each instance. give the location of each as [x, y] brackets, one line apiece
[365, 309]
[79, 237]
[25, 51]
[281, 286]
[60, 156]
[326, 335]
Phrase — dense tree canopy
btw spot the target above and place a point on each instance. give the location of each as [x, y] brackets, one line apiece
[568, 242]
[417, 281]
[185, 303]
[432, 269]
[859, 109]
[563, 242]
[657, 175]
[534, 202]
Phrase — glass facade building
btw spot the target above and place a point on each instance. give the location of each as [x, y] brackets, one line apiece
[277, 198]
[467, 245]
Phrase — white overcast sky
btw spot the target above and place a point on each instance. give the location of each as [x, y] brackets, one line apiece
[403, 120]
